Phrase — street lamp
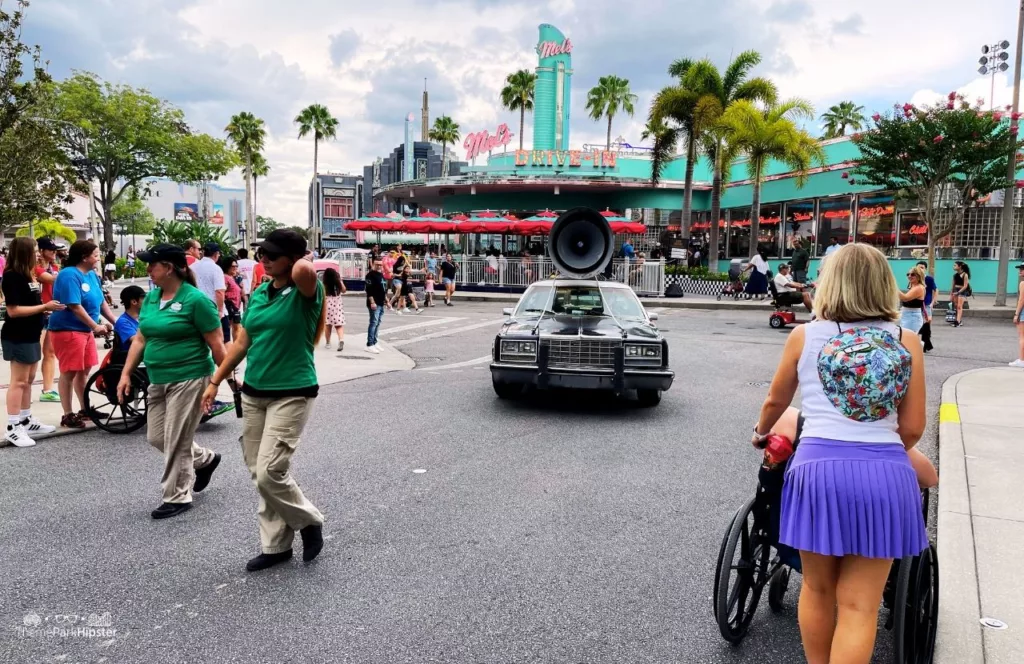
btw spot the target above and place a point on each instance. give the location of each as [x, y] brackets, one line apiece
[85, 143]
[1006, 224]
[993, 61]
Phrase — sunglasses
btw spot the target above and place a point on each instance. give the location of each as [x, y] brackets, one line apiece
[269, 255]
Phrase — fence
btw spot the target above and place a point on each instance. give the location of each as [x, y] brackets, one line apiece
[516, 273]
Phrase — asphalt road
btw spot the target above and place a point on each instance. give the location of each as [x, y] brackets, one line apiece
[564, 528]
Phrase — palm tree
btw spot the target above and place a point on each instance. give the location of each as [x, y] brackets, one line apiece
[260, 169]
[730, 87]
[517, 95]
[316, 119]
[444, 131]
[610, 95]
[248, 133]
[842, 116]
[771, 133]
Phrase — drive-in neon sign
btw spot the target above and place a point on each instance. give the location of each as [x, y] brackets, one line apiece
[547, 49]
[574, 158]
[480, 142]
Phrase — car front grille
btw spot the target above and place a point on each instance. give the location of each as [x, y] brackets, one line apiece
[581, 353]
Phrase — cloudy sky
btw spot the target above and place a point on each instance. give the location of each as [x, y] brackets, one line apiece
[366, 60]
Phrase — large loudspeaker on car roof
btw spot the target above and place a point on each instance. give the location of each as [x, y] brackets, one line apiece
[581, 243]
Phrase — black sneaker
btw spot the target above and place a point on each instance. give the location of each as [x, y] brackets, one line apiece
[265, 560]
[203, 474]
[312, 541]
[167, 510]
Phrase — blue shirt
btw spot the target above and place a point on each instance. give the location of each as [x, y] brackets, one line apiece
[432, 265]
[126, 327]
[73, 287]
[929, 289]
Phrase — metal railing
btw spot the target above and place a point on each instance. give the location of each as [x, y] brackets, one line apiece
[517, 273]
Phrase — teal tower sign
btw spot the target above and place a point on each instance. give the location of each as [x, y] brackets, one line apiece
[553, 90]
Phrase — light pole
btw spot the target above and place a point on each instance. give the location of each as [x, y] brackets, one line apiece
[993, 61]
[85, 147]
[1006, 227]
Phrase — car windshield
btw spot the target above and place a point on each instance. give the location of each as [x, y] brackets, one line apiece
[580, 301]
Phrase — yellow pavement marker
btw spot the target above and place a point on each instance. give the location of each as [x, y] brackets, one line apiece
[949, 413]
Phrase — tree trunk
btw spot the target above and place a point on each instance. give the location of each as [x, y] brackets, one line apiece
[108, 224]
[522, 122]
[250, 221]
[608, 144]
[254, 190]
[755, 211]
[314, 236]
[684, 219]
[716, 210]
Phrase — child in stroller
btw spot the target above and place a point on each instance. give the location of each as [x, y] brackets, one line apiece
[735, 286]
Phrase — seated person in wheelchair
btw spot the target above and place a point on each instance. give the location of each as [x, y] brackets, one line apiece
[790, 293]
[128, 323]
[927, 476]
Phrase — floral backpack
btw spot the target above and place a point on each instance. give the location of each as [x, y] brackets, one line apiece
[864, 372]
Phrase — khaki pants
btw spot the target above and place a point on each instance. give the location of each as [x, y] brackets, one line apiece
[270, 433]
[174, 435]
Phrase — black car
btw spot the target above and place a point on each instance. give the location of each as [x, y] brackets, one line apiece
[582, 334]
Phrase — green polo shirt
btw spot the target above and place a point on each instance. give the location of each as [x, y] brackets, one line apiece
[175, 348]
[281, 325]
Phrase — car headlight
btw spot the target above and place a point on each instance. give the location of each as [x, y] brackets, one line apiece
[518, 349]
[644, 351]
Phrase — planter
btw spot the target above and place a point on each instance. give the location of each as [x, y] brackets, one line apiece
[695, 286]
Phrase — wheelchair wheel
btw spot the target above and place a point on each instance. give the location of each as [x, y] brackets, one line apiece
[916, 608]
[777, 587]
[105, 409]
[718, 568]
[777, 322]
[743, 574]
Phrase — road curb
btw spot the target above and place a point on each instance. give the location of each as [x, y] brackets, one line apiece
[959, 637]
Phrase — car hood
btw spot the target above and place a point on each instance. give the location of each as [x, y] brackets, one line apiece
[562, 325]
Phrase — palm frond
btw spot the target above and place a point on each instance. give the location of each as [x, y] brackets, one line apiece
[664, 149]
[679, 67]
[738, 69]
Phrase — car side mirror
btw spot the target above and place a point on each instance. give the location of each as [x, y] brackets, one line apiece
[507, 311]
[653, 316]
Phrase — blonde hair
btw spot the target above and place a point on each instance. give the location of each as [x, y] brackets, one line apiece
[918, 272]
[856, 284]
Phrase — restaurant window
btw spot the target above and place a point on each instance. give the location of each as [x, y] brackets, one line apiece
[800, 218]
[739, 232]
[338, 207]
[913, 231]
[769, 229]
[876, 222]
[834, 215]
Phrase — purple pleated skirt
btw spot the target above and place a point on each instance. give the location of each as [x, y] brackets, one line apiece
[841, 498]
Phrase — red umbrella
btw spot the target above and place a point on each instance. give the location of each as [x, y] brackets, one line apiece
[622, 227]
[613, 216]
[429, 215]
[460, 218]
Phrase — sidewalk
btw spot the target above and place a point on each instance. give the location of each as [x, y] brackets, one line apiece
[331, 367]
[981, 517]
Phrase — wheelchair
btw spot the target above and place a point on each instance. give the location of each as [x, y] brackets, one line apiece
[784, 314]
[102, 403]
[751, 558]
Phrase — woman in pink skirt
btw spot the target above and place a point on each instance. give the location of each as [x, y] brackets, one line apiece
[334, 289]
[850, 500]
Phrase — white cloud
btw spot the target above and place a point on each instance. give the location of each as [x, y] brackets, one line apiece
[978, 89]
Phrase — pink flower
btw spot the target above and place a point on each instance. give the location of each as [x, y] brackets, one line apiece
[1015, 116]
[845, 175]
[952, 96]
[938, 139]
[908, 107]
[949, 106]
[876, 117]
[997, 116]
[1019, 184]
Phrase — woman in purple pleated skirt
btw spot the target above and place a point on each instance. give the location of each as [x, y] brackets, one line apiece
[850, 501]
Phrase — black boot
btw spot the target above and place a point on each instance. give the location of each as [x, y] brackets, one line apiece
[265, 560]
[167, 510]
[204, 474]
[312, 541]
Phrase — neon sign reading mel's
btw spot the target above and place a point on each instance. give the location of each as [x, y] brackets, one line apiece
[547, 49]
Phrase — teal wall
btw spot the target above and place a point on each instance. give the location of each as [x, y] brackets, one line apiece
[983, 274]
[545, 98]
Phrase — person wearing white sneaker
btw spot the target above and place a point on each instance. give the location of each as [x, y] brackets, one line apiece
[19, 337]
[1018, 318]
[375, 349]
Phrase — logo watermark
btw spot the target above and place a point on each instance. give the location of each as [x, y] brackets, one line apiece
[66, 626]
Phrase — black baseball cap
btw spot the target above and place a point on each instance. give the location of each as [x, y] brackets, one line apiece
[211, 248]
[284, 242]
[46, 244]
[1021, 266]
[164, 253]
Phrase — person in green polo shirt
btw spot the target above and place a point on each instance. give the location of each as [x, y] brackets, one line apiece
[179, 327]
[279, 331]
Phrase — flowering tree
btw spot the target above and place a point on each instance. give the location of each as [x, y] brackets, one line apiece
[945, 157]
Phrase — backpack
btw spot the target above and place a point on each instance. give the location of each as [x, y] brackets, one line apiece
[864, 372]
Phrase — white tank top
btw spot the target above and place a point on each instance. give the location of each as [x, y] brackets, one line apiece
[859, 402]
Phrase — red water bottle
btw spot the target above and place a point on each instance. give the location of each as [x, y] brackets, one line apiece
[777, 450]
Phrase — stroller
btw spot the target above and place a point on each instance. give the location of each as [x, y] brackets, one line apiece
[735, 286]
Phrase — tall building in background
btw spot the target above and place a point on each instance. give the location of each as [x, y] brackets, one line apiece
[409, 164]
[425, 129]
[553, 90]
